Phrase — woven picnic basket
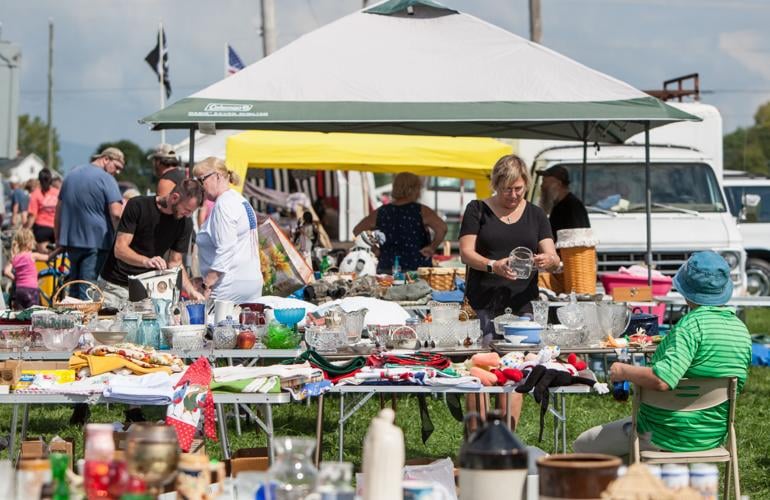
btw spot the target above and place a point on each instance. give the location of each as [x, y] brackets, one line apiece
[441, 278]
[577, 248]
[88, 308]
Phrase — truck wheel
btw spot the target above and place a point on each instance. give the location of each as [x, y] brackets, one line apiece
[758, 277]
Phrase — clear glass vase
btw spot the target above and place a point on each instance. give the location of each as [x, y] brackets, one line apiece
[293, 473]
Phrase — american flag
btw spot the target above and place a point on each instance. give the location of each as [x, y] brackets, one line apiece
[234, 63]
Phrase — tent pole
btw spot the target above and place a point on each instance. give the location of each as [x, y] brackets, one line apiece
[648, 200]
[585, 170]
[191, 152]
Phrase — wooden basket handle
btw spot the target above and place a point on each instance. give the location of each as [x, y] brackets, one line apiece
[55, 298]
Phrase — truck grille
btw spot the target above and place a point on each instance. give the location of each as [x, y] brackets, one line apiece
[666, 262]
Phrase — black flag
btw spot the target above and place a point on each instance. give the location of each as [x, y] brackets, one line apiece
[154, 57]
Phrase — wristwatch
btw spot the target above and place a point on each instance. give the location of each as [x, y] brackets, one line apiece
[489, 266]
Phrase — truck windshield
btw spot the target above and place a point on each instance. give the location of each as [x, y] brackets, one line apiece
[676, 187]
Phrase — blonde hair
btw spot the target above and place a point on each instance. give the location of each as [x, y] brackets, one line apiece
[212, 164]
[23, 241]
[508, 170]
[406, 186]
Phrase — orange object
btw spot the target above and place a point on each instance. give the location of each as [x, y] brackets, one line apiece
[486, 360]
[487, 378]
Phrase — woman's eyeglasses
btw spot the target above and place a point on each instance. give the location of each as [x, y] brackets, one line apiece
[202, 178]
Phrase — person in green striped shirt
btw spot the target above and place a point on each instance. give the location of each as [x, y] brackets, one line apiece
[710, 341]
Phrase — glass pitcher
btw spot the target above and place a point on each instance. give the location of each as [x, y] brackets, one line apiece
[293, 473]
[353, 324]
[521, 262]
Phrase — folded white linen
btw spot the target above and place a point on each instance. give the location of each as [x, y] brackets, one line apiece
[153, 388]
[284, 372]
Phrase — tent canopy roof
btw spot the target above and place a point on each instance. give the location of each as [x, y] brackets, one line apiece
[432, 72]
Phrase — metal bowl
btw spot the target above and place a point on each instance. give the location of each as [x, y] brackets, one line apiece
[109, 338]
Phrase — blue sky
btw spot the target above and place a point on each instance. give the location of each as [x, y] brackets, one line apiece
[103, 86]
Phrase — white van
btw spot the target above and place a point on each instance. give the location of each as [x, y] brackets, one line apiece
[689, 211]
[749, 199]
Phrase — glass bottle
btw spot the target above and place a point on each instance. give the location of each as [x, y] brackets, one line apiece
[100, 451]
[150, 331]
[59, 465]
[31, 477]
[293, 474]
[398, 276]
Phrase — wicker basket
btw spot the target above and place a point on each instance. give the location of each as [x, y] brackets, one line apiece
[441, 278]
[579, 269]
[87, 308]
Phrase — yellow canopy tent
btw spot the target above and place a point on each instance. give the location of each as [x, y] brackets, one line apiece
[461, 157]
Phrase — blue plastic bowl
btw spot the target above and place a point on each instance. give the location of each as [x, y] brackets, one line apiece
[531, 332]
[290, 316]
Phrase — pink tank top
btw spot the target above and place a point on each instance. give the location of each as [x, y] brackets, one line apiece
[25, 270]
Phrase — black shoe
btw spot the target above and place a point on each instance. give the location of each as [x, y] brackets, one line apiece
[80, 414]
[134, 415]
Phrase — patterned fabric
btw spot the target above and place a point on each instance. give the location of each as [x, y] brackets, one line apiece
[143, 356]
[405, 235]
[193, 399]
[709, 342]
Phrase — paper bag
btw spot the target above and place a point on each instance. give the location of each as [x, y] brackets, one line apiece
[155, 284]
[284, 270]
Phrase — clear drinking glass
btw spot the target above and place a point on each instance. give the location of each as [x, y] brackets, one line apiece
[293, 472]
[540, 312]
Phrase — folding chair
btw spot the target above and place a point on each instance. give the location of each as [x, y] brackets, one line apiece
[691, 395]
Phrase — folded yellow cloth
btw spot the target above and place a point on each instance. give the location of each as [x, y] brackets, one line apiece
[103, 364]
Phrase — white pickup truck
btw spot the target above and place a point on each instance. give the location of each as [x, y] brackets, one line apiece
[749, 199]
[689, 211]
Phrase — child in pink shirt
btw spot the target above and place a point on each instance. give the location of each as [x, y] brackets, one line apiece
[22, 269]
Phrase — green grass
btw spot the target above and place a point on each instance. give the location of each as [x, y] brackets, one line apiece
[584, 411]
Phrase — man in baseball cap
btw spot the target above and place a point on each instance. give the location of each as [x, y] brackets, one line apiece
[165, 163]
[566, 211]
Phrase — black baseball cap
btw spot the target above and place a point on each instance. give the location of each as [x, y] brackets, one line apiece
[557, 172]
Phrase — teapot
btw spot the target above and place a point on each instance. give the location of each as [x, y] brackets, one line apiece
[492, 460]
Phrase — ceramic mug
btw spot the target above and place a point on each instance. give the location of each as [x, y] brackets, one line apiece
[225, 308]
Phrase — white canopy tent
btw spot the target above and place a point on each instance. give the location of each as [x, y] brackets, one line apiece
[417, 67]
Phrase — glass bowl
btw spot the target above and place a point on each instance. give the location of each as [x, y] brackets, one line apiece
[60, 340]
[570, 316]
[562, 336]
[289, 316]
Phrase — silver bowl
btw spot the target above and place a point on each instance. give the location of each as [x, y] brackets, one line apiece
[109, 338]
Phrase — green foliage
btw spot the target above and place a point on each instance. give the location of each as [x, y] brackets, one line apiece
[749, 149]
[33, 138]
[138, 168]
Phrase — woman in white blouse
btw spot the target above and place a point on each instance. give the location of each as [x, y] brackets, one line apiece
[228, 245]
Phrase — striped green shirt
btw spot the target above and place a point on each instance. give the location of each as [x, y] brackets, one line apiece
[709, 342]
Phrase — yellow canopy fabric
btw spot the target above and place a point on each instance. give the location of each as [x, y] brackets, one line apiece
[461, 157]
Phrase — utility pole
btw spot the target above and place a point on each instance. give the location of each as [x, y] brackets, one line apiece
[535, 21]
[268, 27]
[161, 74]
[50, 160]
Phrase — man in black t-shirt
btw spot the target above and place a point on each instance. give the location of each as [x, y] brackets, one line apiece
[165, 163]
[150, 227]
[566, 210]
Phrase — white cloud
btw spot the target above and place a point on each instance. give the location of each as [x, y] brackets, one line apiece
[747, 48]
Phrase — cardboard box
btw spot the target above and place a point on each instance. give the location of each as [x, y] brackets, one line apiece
[33, 448]
[63, 445]
[248, 459]
[19, 374]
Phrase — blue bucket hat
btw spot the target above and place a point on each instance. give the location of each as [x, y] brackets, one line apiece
[705, 279]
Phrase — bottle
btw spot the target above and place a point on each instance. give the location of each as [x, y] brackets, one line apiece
[398, 276]
[100, 451]
[59, 465]
[33, 474]
[383, 459]
[324, 265]
[622, 388]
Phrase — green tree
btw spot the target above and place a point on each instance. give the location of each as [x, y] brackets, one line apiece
[748, 149]
[33, 138]
[138, 168]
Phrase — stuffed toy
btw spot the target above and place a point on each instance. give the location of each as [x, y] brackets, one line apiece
[490, 369]
[544, 371]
